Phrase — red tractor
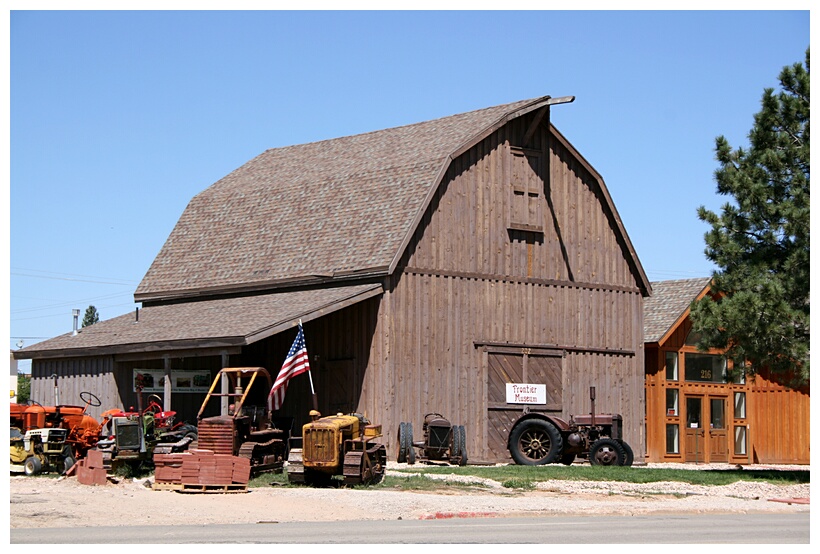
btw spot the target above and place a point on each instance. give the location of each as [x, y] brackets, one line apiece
[537, 439]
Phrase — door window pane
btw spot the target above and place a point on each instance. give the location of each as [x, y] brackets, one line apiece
[693, 420]
[740, 405]
[704, 367]
[671, 366]
[716, 413]
[672, 439]
[740, 440]
[671, 402]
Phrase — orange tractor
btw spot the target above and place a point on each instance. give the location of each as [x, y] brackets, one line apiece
[83, 430]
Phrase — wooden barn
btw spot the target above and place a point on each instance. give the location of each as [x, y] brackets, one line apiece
[430, 264]
[694, 412]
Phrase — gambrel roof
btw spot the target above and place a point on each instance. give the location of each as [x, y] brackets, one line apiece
[669, 304]
[318, 212]
[332, 216]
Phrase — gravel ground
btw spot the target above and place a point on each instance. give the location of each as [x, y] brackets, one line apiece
[40, 502]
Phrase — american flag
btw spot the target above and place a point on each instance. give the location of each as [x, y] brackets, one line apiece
[295, 364]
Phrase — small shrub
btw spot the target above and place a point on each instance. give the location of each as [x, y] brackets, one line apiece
[518, 483]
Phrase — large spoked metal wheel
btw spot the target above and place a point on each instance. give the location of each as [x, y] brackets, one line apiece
[535, 442]
[606, 452]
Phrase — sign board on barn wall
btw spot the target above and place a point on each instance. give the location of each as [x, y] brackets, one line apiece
[182, 380]
[522, 393]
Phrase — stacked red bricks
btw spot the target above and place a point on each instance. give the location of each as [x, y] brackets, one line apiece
[201, 467]
[91, 469]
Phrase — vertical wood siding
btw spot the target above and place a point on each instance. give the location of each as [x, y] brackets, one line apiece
[778, 417]
[467, 280]
[76, 375]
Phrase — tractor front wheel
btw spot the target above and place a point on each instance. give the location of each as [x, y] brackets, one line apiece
[628, 454]
[606, 452]
[32, 466]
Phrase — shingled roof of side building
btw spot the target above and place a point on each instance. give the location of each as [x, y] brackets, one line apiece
[669, 302]
[312, 212]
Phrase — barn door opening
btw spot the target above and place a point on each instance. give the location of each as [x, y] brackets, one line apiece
[342, 387]
[515, 365]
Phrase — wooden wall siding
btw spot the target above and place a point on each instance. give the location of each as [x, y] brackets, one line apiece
[467, 227]
[468, 279]
[77, 375]
[779, 420]
[339, 347]
[439, 323]
[778, 417]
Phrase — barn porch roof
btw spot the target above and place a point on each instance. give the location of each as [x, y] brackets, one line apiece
[225, 322]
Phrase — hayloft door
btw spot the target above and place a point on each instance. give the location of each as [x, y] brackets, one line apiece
[518, 365]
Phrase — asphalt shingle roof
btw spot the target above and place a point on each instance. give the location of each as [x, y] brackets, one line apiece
[669, 300]
[230, 321]
[321, 209]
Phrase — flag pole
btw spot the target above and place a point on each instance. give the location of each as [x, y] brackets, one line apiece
[310, 377]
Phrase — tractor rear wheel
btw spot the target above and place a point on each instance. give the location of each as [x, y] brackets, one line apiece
[458, 450]
[401, 442]
[68, 460]
[535, 442]
[606, 452]
[408, 443]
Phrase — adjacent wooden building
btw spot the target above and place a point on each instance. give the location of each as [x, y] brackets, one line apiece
[694, 413]
[430, 264]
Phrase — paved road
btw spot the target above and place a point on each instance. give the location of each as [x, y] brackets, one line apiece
[654, 529]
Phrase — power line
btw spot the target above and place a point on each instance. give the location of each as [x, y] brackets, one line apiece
[70, 303]
[123, 283]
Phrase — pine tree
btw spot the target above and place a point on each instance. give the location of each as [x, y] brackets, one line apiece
[91, 316]
[760, 242]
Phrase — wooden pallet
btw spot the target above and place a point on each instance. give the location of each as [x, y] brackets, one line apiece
[166, 486]
[218, 489]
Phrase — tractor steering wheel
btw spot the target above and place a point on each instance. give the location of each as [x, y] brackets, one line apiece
[89, 399]
[155, 400]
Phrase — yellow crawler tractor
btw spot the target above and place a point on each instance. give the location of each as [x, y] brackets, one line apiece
[337, 445]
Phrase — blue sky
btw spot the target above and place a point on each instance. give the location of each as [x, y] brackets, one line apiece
[117, 119]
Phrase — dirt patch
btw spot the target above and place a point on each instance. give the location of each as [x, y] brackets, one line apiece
[63, 502]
